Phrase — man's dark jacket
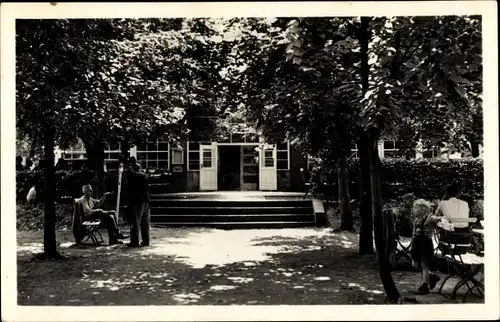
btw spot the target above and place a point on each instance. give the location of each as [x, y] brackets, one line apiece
[137, 188]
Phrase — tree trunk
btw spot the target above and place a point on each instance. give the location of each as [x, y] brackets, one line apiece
[365, 207]
[365, 211]
[95, 157]
[346, 220]
[49, 226]
[380, 243]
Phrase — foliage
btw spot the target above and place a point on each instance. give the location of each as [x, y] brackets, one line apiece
[314, 70]
[88, 76]
[432, 64]
[68, 183]
[31, 217]
[426, 178]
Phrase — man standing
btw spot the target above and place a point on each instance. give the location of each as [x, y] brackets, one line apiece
[138, 206]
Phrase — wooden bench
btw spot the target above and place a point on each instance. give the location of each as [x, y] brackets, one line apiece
[464, 265]
[84, 230]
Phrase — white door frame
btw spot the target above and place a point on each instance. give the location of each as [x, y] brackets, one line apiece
[208, 167]
[268, 175]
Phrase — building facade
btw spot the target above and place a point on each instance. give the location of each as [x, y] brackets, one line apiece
[242, 161]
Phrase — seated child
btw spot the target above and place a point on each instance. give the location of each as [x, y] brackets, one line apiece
[422, 247]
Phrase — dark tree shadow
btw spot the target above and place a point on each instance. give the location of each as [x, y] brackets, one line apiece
[314, 269]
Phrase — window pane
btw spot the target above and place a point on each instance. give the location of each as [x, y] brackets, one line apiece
[282, 155]
[113, 156]
[194, 146]
[177, 157]
[141, 156]
[207, 162]
[142, 164]
[152, 146]
[163, 146]
[268, 154]
[268, 162]
[162, 163]
[141, 147]
[249, 159]
[207, 154]
[250, 169]
[152, 155]
[282, 164]
[162, 155]
[194, 155]
[282, 146]
[194, 165]
[152, 164]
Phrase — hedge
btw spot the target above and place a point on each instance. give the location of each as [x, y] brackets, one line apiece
[68, 183]
[425, 178]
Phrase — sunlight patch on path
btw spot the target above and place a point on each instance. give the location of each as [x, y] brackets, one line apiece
[30, 248]
[186, 298]
[222, 247]
[241, 279]
[364, 289]
[222, 287]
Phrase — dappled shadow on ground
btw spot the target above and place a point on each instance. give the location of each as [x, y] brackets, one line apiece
[208, 266]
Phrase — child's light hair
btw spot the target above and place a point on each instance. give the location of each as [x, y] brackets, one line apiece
[421, 207]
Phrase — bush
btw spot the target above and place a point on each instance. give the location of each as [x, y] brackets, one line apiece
[425, 178]
[68, 183]
[31, 217]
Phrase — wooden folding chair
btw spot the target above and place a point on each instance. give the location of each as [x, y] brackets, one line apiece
[466, 266]
[401, 245]
[84, 230]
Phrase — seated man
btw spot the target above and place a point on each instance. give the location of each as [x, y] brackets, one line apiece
[92, 212]
[452, 207]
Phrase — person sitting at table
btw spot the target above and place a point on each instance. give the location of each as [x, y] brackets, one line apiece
[453, 208]
[422, 247]
[93, 212]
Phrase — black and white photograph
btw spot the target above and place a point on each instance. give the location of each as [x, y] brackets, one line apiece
[288, 160]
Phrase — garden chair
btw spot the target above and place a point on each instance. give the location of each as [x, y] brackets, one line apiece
[466, 266]
[84, 230]
[441, 246]
[402, 241]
